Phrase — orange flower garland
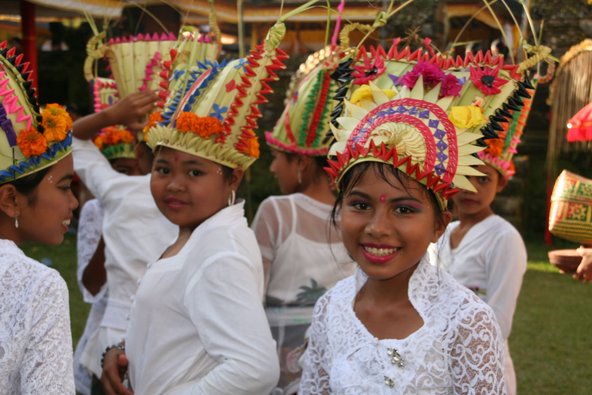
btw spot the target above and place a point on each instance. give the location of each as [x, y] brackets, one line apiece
[31, 142]
[56, 122]
[204, 127]
[155, 117]
[113, 135]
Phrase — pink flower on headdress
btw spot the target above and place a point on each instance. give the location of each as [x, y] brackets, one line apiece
[431, 74]
[487, 80]
[451, 86]
[369, 71]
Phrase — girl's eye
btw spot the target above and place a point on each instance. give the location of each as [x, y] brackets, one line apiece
[162, 170]
[66, 187]
[195, 173]
[404, 210]
[358, 205]
[483, 180]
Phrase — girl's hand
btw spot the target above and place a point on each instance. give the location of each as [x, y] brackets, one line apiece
[584, 271]
[114, 370]
[133, 110]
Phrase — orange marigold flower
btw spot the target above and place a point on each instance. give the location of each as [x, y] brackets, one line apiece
[186, 121]
[494, 147]
[204, 127]
[153, 119]
[56, 122]
[249, 146]
[208, 126]
[113, 135]
[31, 142]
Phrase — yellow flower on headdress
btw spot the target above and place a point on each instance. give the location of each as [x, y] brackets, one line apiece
[465, 117]
[56, 122]
[31, 142]
[364, 93]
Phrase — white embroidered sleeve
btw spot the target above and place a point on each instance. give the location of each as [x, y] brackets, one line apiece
[47, 362]
[315, 377]
[88, 238]
[477, 353]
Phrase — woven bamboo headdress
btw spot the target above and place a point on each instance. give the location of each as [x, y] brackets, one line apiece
[425, 113]
[213, 112]
[303, 127]
[32, 139]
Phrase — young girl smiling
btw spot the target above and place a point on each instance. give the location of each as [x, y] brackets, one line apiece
[36, 205]
[404, 145]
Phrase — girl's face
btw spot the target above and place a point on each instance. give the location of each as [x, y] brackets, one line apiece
[387, 225]
[478, 204]
[45, 215]
[128, 166]
[188, 189]
[286, 171]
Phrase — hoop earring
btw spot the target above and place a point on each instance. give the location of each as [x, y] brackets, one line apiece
[299, 176]
[16, 224]
[231, 198]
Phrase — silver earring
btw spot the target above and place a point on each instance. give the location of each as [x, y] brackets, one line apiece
[231, 198]
[299, 176]
[16, 224]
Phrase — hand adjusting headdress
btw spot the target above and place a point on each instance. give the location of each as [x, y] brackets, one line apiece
[32, 139]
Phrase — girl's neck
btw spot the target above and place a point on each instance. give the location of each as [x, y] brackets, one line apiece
[320, 191]
[389, 290]
[473, 219]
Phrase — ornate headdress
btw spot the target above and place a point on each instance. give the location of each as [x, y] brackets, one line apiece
[143, 62]
[425, 112]
[303, 127]
[32, 139]
[212, 108]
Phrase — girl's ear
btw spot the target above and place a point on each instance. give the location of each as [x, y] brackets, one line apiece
[237, 177]
[441, 225]
[8, 201]
[502, 182]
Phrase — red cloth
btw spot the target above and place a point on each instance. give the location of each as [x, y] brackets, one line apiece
[580, 125]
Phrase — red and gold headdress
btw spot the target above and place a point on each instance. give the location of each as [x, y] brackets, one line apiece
[33, 139]
[426, 113]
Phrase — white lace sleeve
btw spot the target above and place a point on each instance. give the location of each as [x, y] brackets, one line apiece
[315, 377]
[46, 367]
[88, 238]
[477, 353]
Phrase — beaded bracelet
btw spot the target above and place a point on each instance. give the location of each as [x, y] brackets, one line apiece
[118, 346]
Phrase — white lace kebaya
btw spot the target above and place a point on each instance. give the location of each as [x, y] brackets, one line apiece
[458, 350]
[35, 340]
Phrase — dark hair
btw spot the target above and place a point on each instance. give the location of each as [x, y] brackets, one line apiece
[28, 185]
[227, 173]
[319, 161]
[383, 170]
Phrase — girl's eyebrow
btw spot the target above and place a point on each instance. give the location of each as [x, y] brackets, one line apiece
[364, 195]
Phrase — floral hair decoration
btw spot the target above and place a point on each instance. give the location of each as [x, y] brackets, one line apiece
[33, 139]
[428, 113]
[212, 112]
[116, 142]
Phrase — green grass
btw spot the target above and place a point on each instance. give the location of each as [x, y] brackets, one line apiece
[551, 341]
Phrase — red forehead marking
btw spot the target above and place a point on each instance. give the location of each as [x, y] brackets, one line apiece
[382, 198]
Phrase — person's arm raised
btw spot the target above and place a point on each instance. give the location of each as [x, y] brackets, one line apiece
[131, 111]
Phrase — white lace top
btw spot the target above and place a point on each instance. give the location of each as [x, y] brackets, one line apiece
[35, 339]
[458, 350]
